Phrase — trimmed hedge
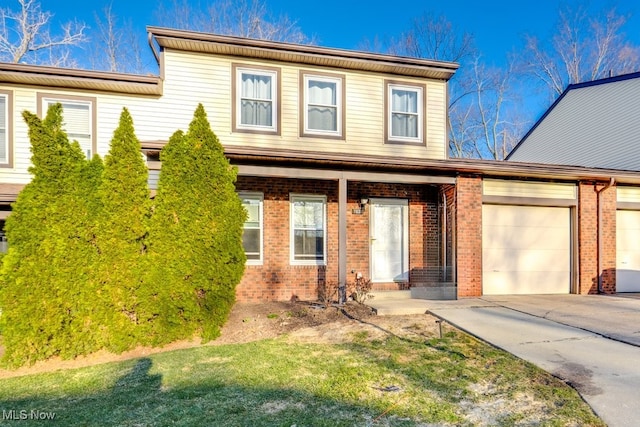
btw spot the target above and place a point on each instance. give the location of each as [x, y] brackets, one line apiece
[92, 264]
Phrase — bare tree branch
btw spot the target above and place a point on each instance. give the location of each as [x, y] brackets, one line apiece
[119, 50]
[478, 96]
[585, 46]
[244, 18]
[25, 35]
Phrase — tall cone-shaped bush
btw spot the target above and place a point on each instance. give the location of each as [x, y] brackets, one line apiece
[196, 235]
[45, 296]
[123, 226]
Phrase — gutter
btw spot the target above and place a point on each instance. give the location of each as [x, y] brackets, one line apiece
[599, 251]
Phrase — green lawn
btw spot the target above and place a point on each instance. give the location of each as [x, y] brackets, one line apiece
[397, 381]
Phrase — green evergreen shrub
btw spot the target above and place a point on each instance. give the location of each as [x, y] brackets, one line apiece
[195, 238]
[122, 229]
[46, 302]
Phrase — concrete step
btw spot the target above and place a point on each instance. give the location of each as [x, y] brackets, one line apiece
[387, 295]
[398, 306]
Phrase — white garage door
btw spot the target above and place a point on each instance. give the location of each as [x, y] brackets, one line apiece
[526, 250]
[628, 251]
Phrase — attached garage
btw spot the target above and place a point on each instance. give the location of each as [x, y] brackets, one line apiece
[628, 240]
[526, 248]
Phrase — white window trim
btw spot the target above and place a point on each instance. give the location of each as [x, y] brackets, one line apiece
[338, 106]
[420, 91]
[311, 197]
[47, 100]
[274, 99]
[260, 198]
[7, 128]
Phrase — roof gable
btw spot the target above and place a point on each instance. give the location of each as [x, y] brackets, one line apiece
[592, 124]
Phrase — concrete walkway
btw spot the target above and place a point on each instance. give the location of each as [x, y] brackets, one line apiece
[565, 335]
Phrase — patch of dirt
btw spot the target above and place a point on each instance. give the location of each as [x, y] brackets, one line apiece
[301, 321]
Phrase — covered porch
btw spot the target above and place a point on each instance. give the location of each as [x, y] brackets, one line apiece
[392, 226]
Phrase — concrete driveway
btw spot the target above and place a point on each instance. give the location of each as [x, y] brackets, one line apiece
[590, 341]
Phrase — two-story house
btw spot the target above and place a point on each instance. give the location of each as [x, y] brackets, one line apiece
[343, 168]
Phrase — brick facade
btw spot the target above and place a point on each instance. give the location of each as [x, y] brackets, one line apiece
[469, 235]
[588, 237]
[276, 279]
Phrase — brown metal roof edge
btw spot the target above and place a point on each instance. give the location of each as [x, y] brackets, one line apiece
[451, 166]
[66, 76]
[354, 55]
[9, 192]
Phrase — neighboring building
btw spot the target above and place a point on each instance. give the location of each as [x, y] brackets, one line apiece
[595, 124]
[343, 168]
[592, 124]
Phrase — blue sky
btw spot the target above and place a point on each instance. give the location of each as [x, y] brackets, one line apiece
[498, 26]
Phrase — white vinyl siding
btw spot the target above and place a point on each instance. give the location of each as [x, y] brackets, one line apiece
[191, 78]
[256, 97]
[322, 105]
[153, 178]
[4, 128]
[628, 194]
[364, 107]
[308, 229]
[406, 115]
[76, 121]
[514, 188]
[253, 227]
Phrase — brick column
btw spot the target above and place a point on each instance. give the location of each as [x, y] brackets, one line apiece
[608, 205]
[469, 236]
[588, 247]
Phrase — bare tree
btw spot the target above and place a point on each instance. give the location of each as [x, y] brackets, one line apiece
[25, 36]
[584, 47]
[245, 18]
[479, 96]
[486, 121]
[119, 50]
[434, 38]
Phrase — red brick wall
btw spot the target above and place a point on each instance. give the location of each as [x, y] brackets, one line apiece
[277, 279]
[608, 200]
[423, 229]
[469, 236]
[588, 237]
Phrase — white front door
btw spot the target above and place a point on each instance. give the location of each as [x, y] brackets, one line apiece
[389, 240]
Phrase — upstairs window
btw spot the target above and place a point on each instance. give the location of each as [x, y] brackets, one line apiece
[323, 105]
[5, 128]
[405, 113]
[256, 100]
[308, 229]
[252, 235]
[78, 120]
